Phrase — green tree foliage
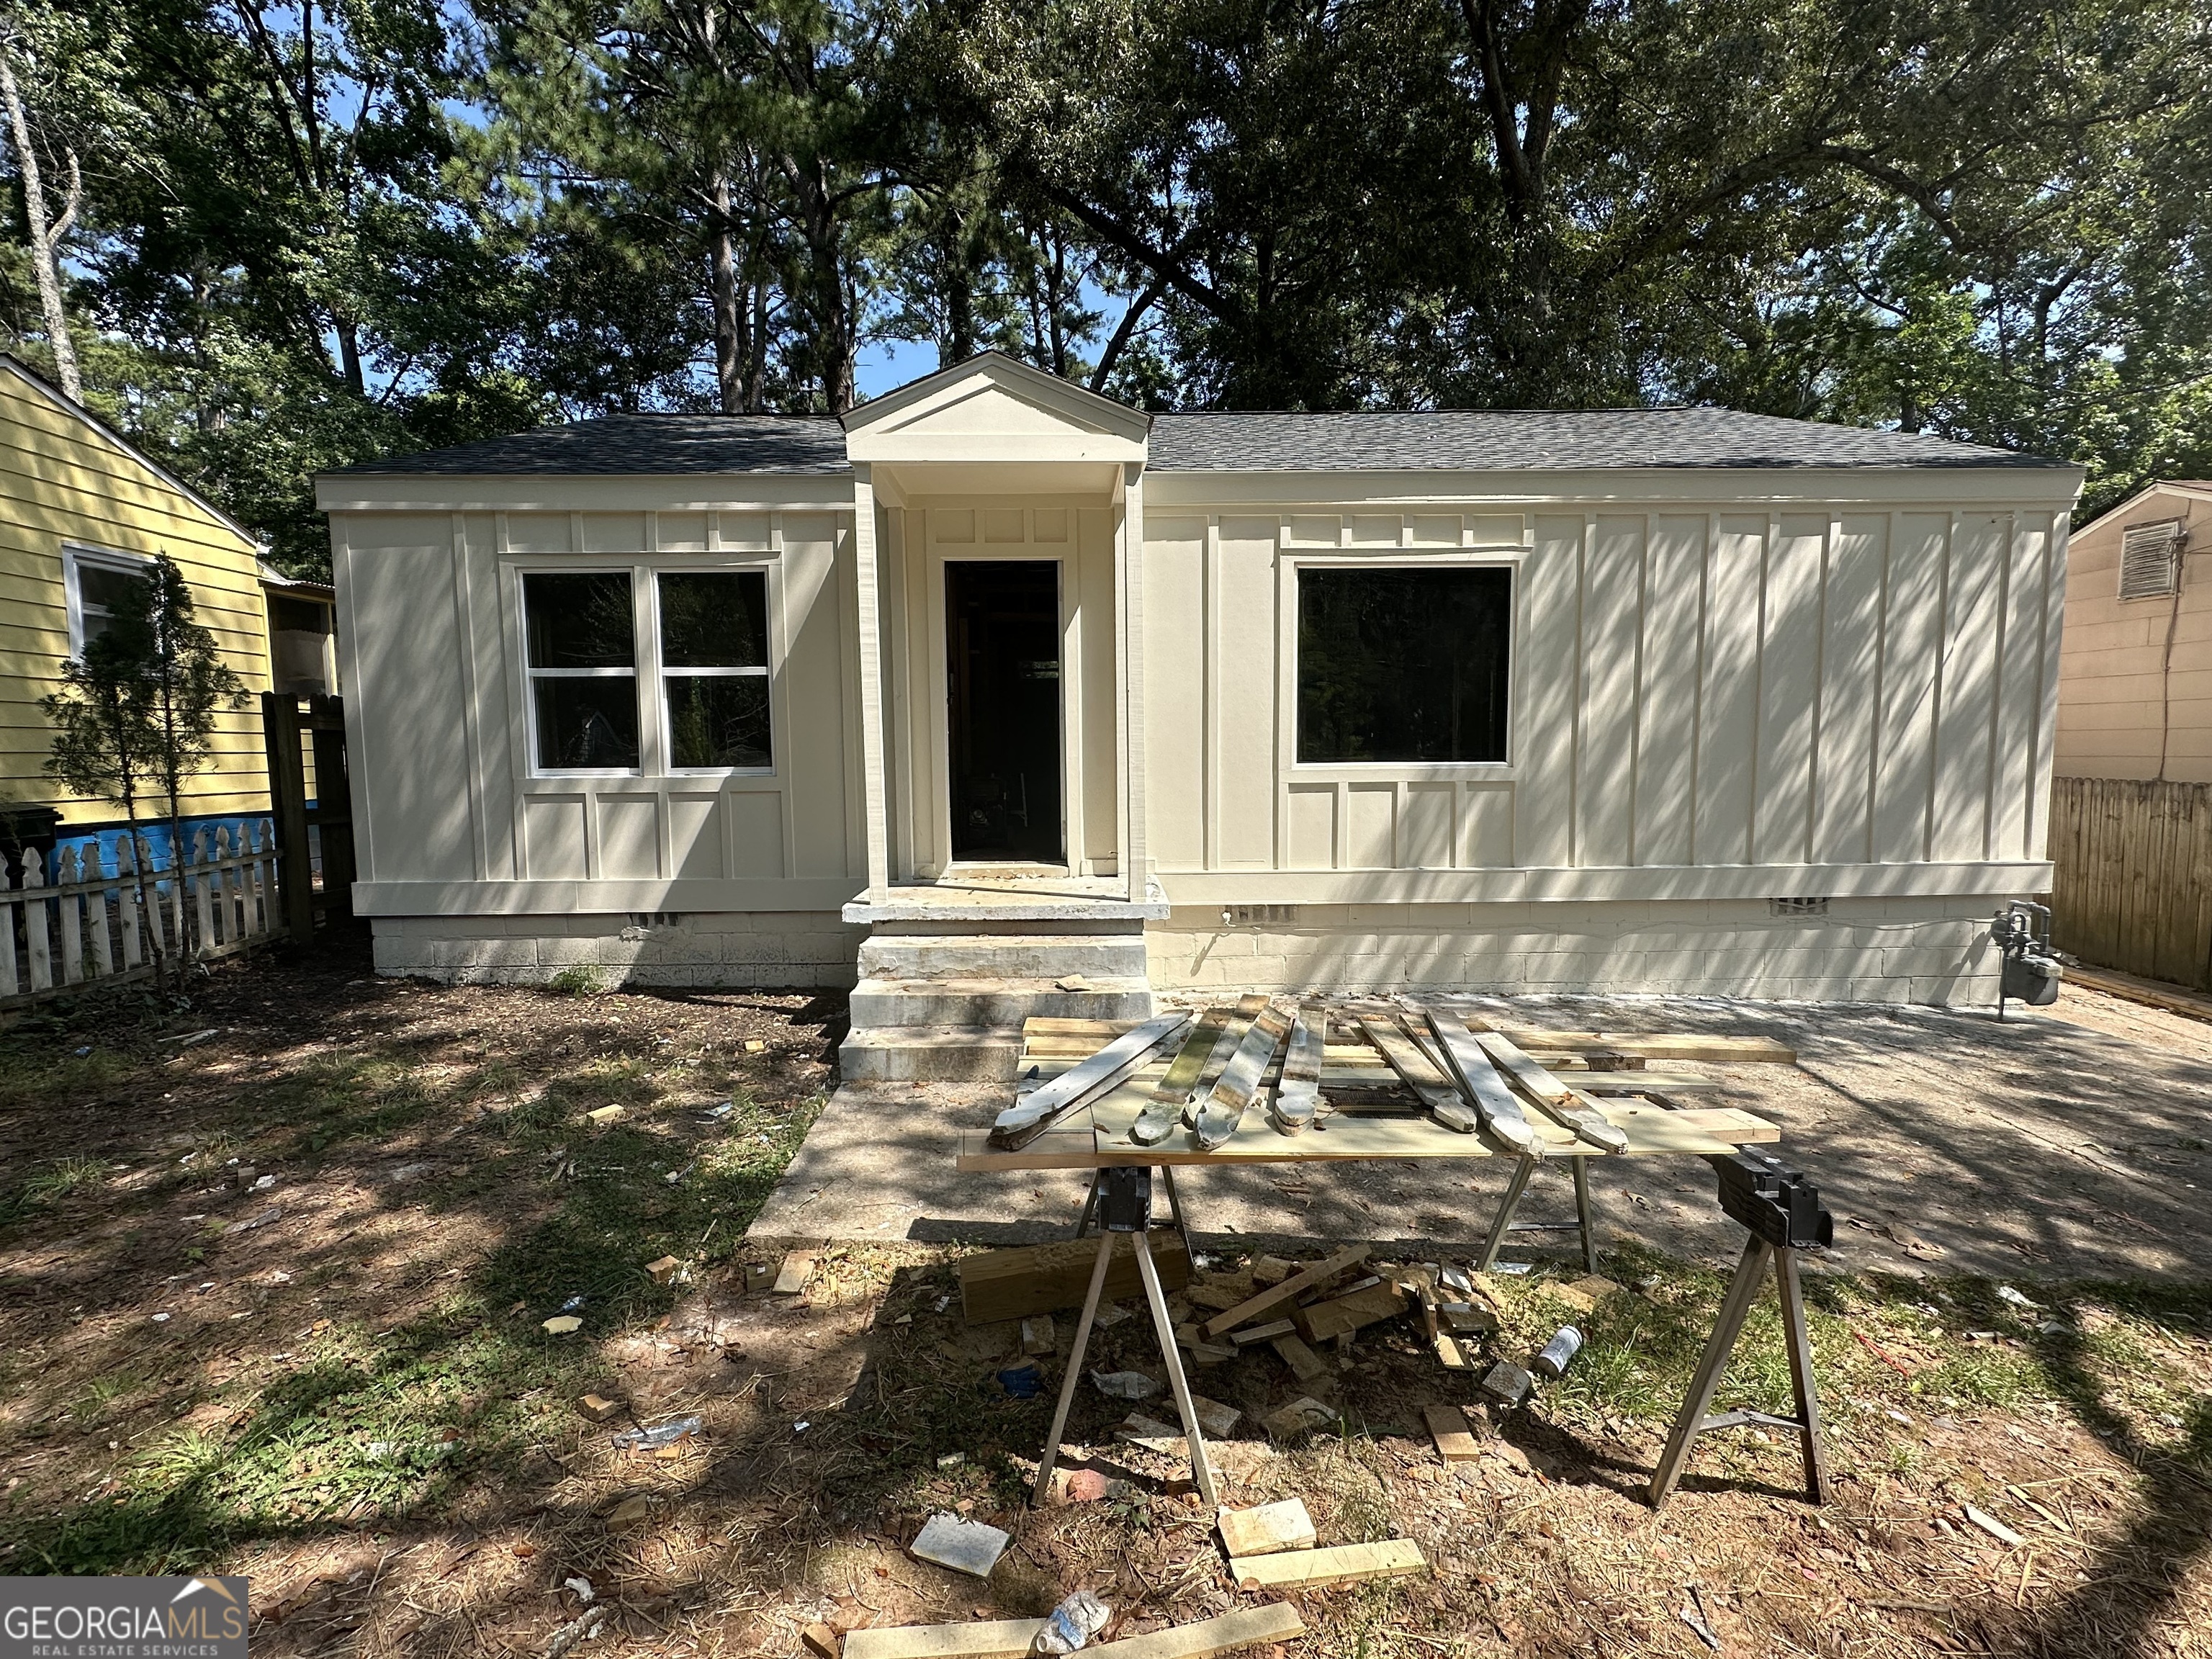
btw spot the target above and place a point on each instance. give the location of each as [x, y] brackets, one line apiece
[136, 711]
[310, 235]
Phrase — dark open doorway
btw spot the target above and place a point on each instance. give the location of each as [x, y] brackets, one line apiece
[1002, 661]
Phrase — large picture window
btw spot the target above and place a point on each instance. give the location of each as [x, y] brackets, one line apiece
[583, 671]
[1403, 663]
[714, 661]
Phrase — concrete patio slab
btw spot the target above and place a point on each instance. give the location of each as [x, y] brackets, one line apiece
[2075, 1141]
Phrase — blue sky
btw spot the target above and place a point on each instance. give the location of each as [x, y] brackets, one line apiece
[883, 364]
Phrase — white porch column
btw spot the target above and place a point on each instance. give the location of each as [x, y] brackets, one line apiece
[869, 588]
[1129, 704]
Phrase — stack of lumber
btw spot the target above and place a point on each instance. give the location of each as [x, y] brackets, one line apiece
[1377, 1104]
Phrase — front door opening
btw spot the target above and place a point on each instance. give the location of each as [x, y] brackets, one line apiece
[1002, 659]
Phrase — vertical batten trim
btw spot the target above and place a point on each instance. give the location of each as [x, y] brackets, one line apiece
[1636, 693]
[1576, 727]
[1709, 537]
[849, 656]
[1209, 606]
[1999, 645]
[1940, 682]
[1880, 685]
[356, 722]
[2043, 750]
[779, 698]
[1134, 854]
[872, 684]
[472, 710]
[1753, 850]
[1830, 545]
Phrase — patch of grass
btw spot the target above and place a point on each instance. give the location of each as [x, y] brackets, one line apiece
[578, 981]
[32, 1076]
[50, 1184]
[397, 1423]
[2102, 1356]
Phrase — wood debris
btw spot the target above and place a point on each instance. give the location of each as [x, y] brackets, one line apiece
[1344, 1563]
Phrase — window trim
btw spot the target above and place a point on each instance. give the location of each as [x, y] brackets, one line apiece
[766, 568]
[531, 673]
[644, 571]
[76, 556]
[1399, 558]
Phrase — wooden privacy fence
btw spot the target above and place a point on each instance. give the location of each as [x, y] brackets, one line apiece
[84, 927]
[2132, 887]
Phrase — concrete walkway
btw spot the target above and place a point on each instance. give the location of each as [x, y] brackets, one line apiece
[2075, 1141]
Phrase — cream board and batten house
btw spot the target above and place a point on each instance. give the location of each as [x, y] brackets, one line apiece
[998, 680]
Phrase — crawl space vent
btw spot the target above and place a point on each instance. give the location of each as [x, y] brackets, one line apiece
[1798, 907]
[1265, 915]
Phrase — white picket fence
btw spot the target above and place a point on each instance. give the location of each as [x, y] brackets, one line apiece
[84, 927]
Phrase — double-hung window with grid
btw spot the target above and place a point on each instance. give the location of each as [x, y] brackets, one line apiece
[707, 649]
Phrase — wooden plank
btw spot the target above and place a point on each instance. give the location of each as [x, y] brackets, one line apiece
[1373, 1073]
[1305, 1364]
[1276, 1296]
[1266, 1530]
[1448, 1428]
[1478, 1078]
[1413, 1066]
[1298, 1091]
[1346, 1563]
[1278, 1621]
[1038, 1279]
[999, 1638]
[1715, 1047]
[1033, 1113]
[1200, 1059]
[1565, 1106]
[1344, 1313]
[1226, 1106]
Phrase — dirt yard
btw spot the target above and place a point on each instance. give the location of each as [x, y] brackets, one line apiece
[275, 1270]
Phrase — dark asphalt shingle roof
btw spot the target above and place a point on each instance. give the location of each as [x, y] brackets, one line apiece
[1539, 440]
[645, 443]
[1504, 439]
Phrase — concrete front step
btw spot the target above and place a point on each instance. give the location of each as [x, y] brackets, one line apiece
[1098, 957]
[878, 1004]
[930, 1054]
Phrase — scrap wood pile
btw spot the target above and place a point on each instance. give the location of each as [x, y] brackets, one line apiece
[1240, 1080]
[1289, 1309]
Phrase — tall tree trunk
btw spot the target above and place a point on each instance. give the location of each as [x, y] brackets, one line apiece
[729, 322]
[348, 334]
[959, 344]
[757, 361]
[47, 234]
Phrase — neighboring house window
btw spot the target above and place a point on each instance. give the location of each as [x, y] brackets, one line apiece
[1402, 664]
[298, 643]
[583, 671]
[97, 582]
[713, 662]
[2149, 569]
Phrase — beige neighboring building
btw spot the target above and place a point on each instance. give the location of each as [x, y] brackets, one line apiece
[997, 681]
[2135, 677]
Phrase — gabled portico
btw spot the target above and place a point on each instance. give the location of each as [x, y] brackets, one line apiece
[1000, 526]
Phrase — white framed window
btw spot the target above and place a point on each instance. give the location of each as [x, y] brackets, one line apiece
[1403, 663]
[580, 633]
[95, 580]
[712, 646]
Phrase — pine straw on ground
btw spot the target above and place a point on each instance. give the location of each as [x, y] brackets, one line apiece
[353, 1401]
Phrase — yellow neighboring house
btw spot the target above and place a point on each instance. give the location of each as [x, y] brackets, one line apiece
[80, 509]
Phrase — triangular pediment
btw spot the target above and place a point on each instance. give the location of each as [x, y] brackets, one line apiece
[993, 407]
